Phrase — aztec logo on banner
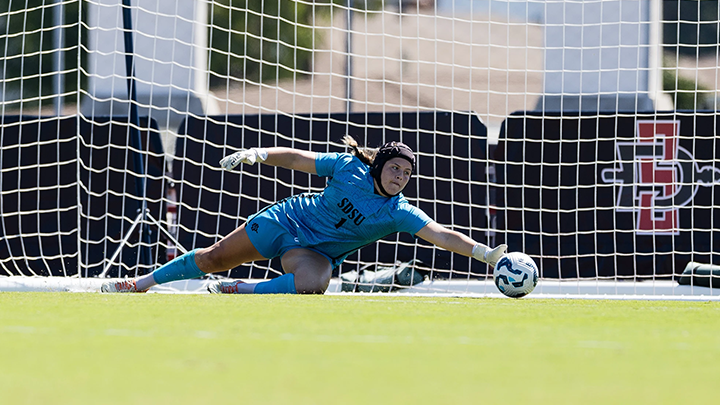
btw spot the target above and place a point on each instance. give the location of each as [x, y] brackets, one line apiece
[656, 177]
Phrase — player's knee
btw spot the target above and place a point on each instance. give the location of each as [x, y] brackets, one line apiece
[311, 283]
[210, 260]
[312, 288]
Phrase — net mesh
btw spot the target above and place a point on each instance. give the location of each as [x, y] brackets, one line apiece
[581, 133]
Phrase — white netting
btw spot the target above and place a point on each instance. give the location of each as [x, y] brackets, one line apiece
[534, 123]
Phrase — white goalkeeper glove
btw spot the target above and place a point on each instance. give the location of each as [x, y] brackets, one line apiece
[247, 156]
[487, 255]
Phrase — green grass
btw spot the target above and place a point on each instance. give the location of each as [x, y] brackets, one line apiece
[70, 348]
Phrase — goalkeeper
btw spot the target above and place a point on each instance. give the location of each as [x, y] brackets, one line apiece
[313, 233]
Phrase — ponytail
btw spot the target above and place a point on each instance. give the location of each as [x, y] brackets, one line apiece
[366, 155]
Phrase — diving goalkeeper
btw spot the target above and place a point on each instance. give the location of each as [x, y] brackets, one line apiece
[312, 233]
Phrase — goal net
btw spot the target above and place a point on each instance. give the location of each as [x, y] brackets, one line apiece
[581, 133]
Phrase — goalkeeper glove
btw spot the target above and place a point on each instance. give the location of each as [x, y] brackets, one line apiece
[247, 156]
[487, 255]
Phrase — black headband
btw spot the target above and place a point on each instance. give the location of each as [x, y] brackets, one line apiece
[392, 150]
[389, 151]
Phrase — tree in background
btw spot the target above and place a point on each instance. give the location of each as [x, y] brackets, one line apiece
[27, 45]
[690, 27]
[260, 40]
[257, 40]
[685, 93]
[268, 40]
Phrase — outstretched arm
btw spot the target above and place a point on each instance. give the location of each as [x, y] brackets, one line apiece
[288, 158]
[457, 242]
[292, 159]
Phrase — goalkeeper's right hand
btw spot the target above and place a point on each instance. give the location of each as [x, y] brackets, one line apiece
[247, 156]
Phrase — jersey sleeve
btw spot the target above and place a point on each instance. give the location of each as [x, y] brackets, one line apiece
[411, 219]
[325, 163]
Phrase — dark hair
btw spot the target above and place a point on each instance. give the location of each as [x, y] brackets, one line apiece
[366, 155]
[386, 152]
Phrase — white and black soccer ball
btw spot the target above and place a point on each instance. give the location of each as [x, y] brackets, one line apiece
[516, 274]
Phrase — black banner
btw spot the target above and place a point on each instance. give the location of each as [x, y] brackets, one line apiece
[610, 195]
[41, 194]
[38, 196]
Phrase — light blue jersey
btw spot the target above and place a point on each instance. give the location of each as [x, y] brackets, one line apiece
[344, 217]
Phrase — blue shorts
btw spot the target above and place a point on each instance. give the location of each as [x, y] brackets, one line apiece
[272, 238]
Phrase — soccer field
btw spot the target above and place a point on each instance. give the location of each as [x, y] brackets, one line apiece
[161, 348]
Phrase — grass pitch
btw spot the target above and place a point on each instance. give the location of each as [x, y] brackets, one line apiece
[65, 348]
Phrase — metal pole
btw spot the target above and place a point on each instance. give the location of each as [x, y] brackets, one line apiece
[58, 14]
[135, 140]
[348, 65]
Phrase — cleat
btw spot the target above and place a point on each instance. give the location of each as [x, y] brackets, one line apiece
[224, 287]
[123, 286]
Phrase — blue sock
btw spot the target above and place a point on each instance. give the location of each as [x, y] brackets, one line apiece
[181, 268]
[284, 284]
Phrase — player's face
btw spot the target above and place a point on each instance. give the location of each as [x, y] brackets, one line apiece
[395, 175]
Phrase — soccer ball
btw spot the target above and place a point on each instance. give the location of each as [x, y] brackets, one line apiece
[516, 274]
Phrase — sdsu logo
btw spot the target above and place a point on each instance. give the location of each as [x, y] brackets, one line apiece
[657, 176]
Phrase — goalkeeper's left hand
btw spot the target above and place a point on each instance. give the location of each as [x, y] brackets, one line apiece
[487, 255]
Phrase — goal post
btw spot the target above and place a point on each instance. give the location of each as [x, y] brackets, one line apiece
[582, 133]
